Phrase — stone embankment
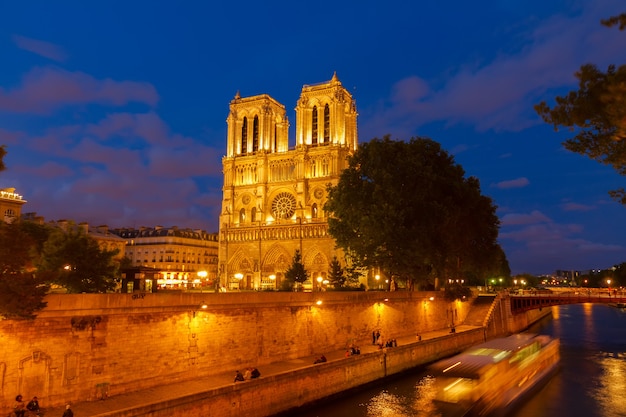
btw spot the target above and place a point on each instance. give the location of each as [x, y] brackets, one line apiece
[166, 355]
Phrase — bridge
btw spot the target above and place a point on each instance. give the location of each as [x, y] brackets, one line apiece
[530, 301]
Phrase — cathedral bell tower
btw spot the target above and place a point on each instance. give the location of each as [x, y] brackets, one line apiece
[273, 195]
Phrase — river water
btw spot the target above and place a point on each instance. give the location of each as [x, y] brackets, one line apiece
[590, 383]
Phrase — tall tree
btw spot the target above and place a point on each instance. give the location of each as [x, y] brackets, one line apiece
[21, 291]
[297, 273]
[75, 261]
[336, 274]
[407, 207]
[597, 113]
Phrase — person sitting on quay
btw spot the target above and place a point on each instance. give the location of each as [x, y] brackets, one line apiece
[238, 376]
[255, 373]
[246, 375]
[321, 359]
[19, 408]
[33, 406]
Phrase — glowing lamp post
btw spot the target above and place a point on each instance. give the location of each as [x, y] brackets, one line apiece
[319, 283]
[239, 277]
[273, 279]
[202, 275]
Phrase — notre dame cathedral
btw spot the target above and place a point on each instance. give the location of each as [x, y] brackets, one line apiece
[274, 192]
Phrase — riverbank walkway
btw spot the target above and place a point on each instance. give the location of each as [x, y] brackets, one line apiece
[130, 400]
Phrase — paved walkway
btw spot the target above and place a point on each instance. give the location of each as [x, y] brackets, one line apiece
[184, 388]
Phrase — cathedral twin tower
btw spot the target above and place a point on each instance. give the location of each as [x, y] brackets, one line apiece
[274, 193]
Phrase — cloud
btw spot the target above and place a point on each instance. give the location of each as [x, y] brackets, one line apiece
[42, 48]
[8, 137]
[534, 240]
[522, 218]
[499, 95]
[576, 207]
[45, 89]
[50, 170]
[516, 183]
[125, 167]
[147, 126]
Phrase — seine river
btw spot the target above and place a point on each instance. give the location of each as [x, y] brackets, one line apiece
[590, 383]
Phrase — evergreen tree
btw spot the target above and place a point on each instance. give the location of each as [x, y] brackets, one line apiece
[297, 273]
[336, 274]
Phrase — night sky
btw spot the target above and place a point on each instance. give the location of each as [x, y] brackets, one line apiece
[114, 112]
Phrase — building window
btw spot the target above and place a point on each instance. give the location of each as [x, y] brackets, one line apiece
[244, 136]
[253, 214]
[326, 125]
[314, 126]
[314, 211]
[255, 134]
[242, 215]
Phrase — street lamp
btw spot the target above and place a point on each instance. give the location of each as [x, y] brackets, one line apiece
[202, 275]
[377, 277]
[239, 277]
[319, 283]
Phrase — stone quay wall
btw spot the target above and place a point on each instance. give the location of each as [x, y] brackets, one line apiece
[82, 347]
[275, 394]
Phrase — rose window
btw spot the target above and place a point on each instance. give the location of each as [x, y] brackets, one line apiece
[283, 206]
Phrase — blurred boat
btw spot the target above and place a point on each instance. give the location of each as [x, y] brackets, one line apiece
[490, 379]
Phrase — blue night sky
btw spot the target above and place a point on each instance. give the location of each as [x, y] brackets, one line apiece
[115, 112]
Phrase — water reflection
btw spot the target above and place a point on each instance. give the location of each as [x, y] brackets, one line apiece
[609, 392]
[591, 382]
[417, 402]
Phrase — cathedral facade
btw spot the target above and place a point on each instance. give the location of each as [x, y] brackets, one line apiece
[274, 193]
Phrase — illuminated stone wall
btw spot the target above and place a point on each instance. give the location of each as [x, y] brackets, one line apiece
[82, 345]
[10, 204]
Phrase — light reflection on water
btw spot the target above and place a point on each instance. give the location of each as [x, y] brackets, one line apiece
[591, 382]
[416, 403]
[611, 387]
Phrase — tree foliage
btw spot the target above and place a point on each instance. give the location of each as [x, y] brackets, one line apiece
[3, 152]
[75, 261]
[407, 208]
[21, 291]
[296, 273]
[596, 112]
[336, 274]
[456, 291]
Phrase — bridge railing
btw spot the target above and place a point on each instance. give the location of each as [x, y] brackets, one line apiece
[530, 301]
